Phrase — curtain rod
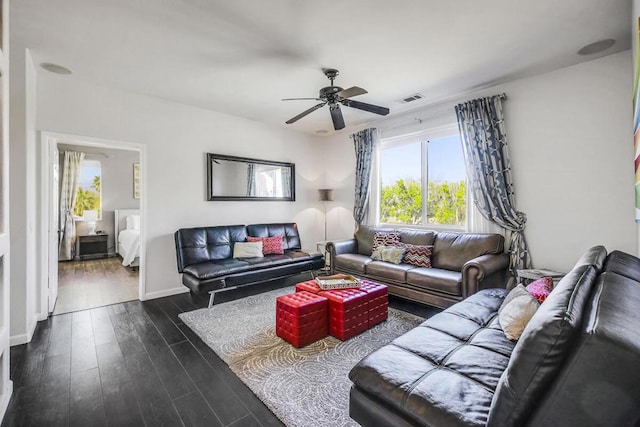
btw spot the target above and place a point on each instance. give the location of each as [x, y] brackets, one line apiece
[444, 109]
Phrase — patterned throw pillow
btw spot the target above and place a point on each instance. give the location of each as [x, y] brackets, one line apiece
[376, 255]
[385, 238]
[392, 254]
[270, 245]
[541, 288]
[418, 255]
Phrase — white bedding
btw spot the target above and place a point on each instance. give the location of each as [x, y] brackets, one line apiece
[129, 245]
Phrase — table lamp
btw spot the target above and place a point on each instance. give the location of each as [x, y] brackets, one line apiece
[90, 217]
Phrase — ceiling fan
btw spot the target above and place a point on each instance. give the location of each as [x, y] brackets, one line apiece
[334, 96]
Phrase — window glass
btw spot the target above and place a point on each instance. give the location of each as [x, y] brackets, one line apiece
[446, 175]
[423, 181]
[89, 195]
[401, 179]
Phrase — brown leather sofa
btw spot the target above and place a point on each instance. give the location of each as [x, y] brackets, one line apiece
[462, 264]
[576, 363]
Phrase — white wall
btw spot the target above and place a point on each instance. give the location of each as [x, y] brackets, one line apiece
[178, 138]
[23, 177]
[571, 149]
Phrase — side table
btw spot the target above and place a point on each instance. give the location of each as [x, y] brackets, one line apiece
[322, 248]
[93, 246]
[530, 275]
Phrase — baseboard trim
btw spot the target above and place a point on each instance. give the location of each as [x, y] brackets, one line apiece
[165, 293]
[26, 337]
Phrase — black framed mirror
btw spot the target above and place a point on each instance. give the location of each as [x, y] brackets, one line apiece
[242, 178]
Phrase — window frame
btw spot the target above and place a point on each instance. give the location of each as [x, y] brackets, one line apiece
[424, 136]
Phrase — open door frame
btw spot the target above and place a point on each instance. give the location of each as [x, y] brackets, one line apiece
[49, 226]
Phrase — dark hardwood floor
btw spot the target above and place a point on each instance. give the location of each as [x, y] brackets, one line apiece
[133, 364]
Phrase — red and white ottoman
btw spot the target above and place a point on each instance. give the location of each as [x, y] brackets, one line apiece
[301, 318]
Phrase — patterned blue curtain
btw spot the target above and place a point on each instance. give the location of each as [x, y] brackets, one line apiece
[484, 142]
[364, 142]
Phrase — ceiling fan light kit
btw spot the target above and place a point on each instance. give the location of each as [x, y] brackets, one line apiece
[334, 96]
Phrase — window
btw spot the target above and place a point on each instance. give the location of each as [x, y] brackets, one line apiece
[89, 196]
[423, 181]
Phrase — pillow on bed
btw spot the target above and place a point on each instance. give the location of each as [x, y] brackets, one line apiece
[133, 222]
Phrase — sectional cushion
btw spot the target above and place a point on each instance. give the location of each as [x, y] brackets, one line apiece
[623, 264]
[436, 279]
[354, 263]
[542, 348]
[387, 271]
[452, 250]
[443, 372]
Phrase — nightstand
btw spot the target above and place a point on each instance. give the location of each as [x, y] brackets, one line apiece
[93, 246]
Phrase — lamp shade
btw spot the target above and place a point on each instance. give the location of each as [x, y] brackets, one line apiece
[325, 195]
[90, 215]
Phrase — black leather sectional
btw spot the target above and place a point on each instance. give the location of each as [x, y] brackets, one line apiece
[576, 364]
[204, 256]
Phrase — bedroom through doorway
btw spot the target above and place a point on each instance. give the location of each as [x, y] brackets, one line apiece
[98, 197]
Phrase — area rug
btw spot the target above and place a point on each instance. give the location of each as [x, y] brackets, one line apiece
[302, 387]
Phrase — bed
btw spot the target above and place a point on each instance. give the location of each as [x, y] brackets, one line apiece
[127, 231]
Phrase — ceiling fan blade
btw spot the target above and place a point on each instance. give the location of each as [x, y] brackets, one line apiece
[304, 113]
[352, 91]
[336, 116]
[383, 111]
[298, 99]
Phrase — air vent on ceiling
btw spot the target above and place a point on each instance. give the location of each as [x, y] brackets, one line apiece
[414, 97]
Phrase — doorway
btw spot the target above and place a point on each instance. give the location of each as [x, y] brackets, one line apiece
[96, 267]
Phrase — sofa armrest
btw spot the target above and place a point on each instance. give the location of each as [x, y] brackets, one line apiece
[339, 247]
[474, 271]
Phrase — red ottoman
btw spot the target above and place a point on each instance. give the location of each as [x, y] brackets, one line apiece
[301, 318]
[347, 312]
[377, 301]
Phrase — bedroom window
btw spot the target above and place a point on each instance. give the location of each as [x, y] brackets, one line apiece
[89, 196]
[423, 181]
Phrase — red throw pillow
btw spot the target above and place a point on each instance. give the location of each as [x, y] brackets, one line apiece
[385, 238]
[270, 245]
[418, 255]
[541, 288]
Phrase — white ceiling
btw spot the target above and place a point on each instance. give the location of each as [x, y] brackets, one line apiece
[241, 57]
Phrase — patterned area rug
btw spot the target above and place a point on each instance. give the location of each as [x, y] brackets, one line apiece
[302, 387]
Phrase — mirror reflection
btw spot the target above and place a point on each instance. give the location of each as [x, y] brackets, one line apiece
[239, 178]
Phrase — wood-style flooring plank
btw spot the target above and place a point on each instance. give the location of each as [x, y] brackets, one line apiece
[170, 310]
[226, 404]
[194, 411]
[154, 401]
[86, 407]
[166, 327]
[250, 400]
[120, 401]
[52, 407]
